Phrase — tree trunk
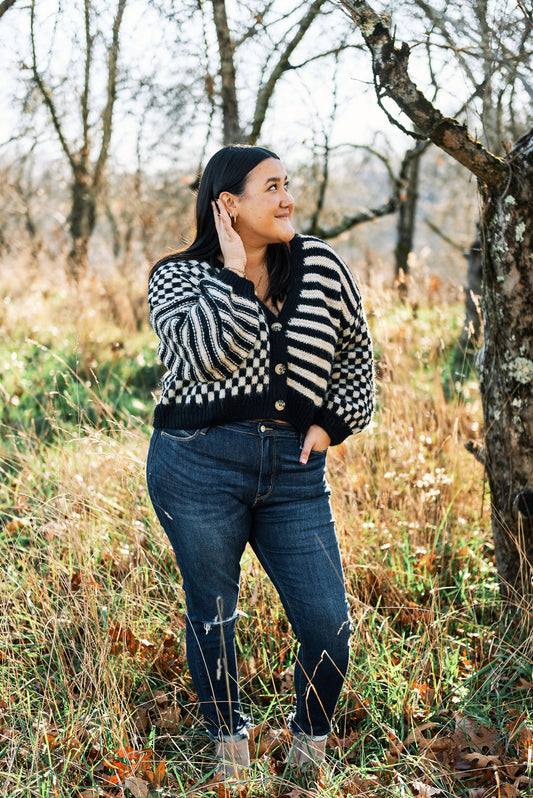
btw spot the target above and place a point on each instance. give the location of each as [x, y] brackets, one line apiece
[230, 107]
[506, 361]
[407, 210]
[506, 366]
[82, 221]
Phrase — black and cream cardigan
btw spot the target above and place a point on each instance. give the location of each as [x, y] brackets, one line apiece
[229, 358]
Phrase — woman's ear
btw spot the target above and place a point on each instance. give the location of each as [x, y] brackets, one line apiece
[228, 201]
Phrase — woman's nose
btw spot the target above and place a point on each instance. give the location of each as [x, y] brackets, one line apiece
[288, 199]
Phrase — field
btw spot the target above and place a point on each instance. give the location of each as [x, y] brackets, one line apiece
[95, 698]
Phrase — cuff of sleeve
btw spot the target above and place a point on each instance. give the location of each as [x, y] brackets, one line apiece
[337, 429]
[240, 284]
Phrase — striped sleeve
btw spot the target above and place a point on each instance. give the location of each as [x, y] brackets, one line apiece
[206, 324]
[350, 396]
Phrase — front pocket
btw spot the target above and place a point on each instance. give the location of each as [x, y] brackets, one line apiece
[183, 435]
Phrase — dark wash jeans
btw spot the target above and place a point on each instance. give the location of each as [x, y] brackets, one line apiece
[215, 490]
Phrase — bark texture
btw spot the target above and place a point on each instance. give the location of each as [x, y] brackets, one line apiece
[506, 360]
[506, 364]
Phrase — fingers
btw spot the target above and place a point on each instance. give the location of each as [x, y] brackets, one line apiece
[221, 212]
[231, 244]
[315, 438]
[221, 216]
[306, 450]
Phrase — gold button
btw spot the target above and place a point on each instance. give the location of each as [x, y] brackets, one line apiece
[277, 327]
[279, 368]
[280, 405]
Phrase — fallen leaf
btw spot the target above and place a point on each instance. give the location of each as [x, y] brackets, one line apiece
[157, 777]
[141, 719]
[168, 718]
[269, 742]
[508, 791]
[523, 782]
[137, 787]
[417, 736]
[425, 790]
[470, 734]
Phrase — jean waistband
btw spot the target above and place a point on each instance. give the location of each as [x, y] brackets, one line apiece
[263, 427]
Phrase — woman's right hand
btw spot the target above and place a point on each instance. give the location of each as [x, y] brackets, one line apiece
[230, 241]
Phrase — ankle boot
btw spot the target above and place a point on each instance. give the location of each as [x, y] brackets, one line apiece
[234, 755]
[306, 750]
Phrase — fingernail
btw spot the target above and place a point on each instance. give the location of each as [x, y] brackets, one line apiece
[303, 461]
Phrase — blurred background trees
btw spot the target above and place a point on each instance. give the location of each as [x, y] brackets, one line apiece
[114, 108]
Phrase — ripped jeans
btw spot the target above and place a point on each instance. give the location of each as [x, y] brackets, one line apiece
[215, 490]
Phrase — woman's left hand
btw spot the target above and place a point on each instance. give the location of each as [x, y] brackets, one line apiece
[317, 439]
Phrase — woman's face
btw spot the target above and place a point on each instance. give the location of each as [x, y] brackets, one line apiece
[264, 210]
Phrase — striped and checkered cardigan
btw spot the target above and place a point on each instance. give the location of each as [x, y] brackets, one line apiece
[229, 358]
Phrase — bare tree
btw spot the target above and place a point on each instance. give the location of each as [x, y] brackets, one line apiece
[86, 161]
[506, 365]
[277, 64]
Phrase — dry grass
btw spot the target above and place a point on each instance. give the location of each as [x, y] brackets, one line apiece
[95, 698]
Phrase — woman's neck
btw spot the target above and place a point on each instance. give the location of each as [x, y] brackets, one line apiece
[255, 259]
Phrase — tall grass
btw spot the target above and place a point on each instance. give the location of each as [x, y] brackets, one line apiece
[95, 697]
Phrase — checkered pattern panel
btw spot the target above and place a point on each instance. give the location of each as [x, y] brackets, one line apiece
[252, 377]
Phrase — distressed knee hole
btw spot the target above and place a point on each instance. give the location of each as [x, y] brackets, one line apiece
[217, 621]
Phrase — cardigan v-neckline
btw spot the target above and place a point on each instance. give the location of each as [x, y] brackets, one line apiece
[290, 301]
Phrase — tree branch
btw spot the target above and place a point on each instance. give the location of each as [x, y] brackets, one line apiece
[347, 222]
[107, 114]
[267, 89]
[432, 226]
[392, 79]
[334, 51]
[5, 6]
[258, 24]
[46, 95]
[84, 99]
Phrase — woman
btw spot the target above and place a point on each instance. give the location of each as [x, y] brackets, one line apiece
[269, 363]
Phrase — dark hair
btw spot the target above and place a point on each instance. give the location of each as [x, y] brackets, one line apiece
[228, 170]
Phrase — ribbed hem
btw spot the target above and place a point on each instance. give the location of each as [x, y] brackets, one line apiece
[191, 416]
[337, 429]
[298, 411]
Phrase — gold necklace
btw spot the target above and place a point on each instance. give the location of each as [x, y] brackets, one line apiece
[257, 287]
